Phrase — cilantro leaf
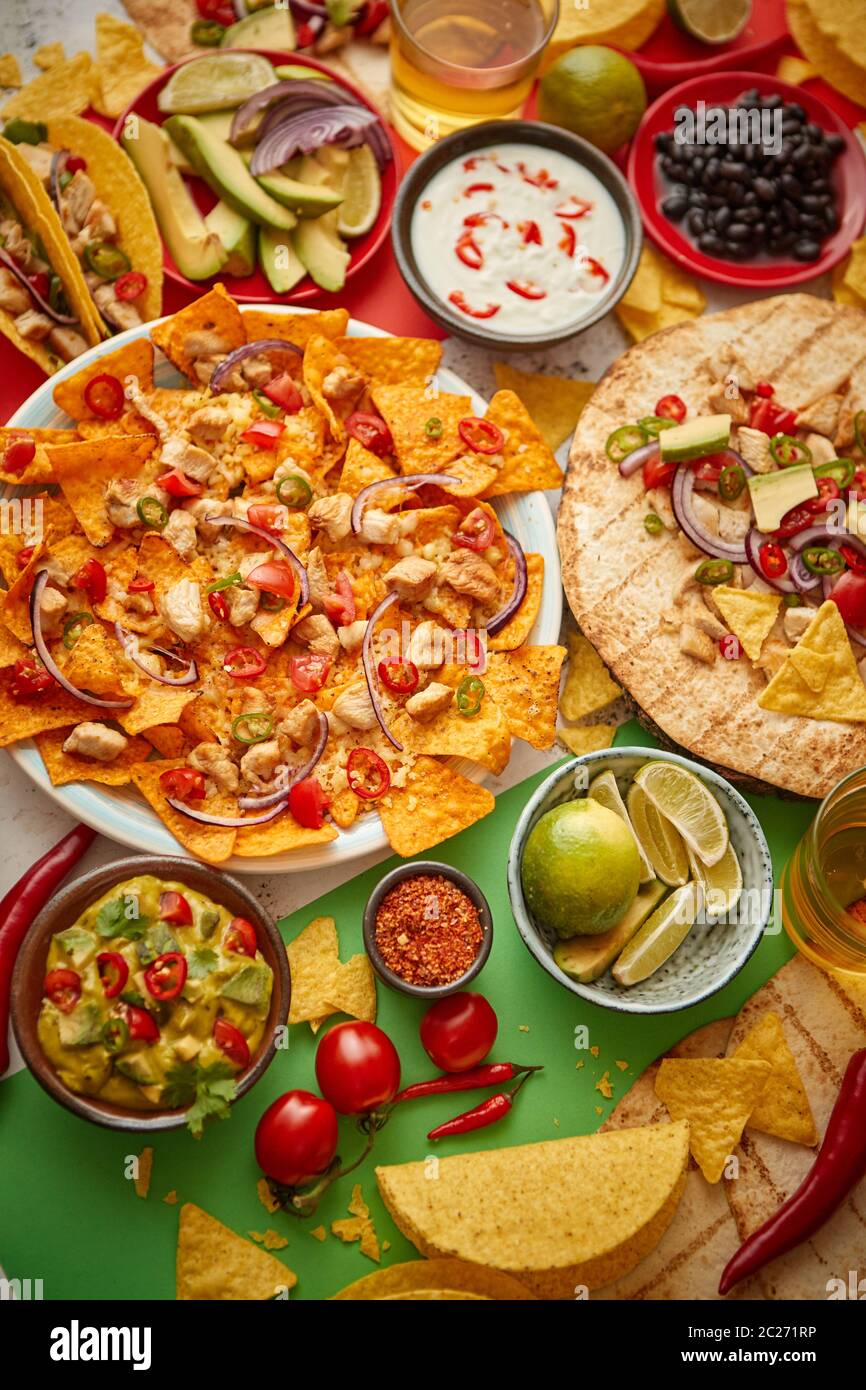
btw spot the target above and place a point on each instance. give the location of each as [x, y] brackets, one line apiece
[202, 961]
[120, 917]
[207, 1091]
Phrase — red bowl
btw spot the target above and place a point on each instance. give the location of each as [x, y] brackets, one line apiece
[767, 273]
[670, 54]
[254, 289]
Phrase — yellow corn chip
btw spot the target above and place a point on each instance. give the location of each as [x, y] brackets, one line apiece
[554, 402]
[812, 667]
[393, 361]
[15, 603]
[278, 836]
[158, 704]
[831, 60]
[12, 649]
[215, 1263]
[423, 426]
[659, 296]
[145, 1169]
[122, 70]
[134, 359]
[170, 1198]
[435, 804]
[484, 738]
[795, 70]
[588, 687]
[314, 959]
[645, 291]
[96, 663]
[517, 630]
[587, 739]
[38, 469]
[65, 90]
[48, 55]
[10, 70]
[475, 475]
[215, 313]
[85, 469]
[23, 718]
[525, 684]
[71, 767]
[359, 1227]
[528, 463]
[271, 1240]
[212, 843]
[716, 1095]
[295, 328]
[166, 739]
[626, 23]
[353, 989]
[748, 614]
[360, 468]
[855, 268]
[842, 696]
[319, 1233]
[783, 1107]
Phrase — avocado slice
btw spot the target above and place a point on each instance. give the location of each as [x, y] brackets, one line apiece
[250, 985]
[279, 261]
[290, 70]
[586, 958]
[774, 494]
[706, 434]
[238, 236]
[223, 169]
[196, 252]
[76, 943]
[82, 1027]
[136, 1067]
[322, 252]
[305, 199]
[271, 27]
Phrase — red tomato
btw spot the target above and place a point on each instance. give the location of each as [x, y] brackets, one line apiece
[24, 556]
[240, 937]
[92, 579]
[307, 803]
[232, 1042]
[275, 577]
[765, 389]
[40, 283]
[270, 516]
[305, 35]
[371, 431]
[374, 13]
[671, 408]
[853, 559]
[166, 977]
[296, 1138]
[177, 484]
[849, 596]
[284, 393]
[183, 784]
[29, 679]
[174, 907]
[113, 972]
[308, 673]
[657, 473]
[797, 519]
[771, 418]
[75, 164]
[140, 586]
[19, 454]
[476, 531]
[828, 491]
[357, 1068]
[142, 1026]
[458, 1032]
[263, 434]
[219, 10]
[63, 988]
[340, 605]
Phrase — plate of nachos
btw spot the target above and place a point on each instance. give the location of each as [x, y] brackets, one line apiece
[277, 588]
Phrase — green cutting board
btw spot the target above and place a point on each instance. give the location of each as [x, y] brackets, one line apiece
[70, 1216]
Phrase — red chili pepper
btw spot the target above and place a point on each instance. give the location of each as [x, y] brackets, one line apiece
[596, 268]
[371, 431]
[183, 784]
[244, 663]
[773, 560]
[476, 531]
[573, 208]
[174, 907]
[28, 679]
[487, 1113]
[479, 219]
[671, 408]
[166, 977]
[40, 283]
[568, 243]
[540, 180]
[796, 520]
[374, 13]
[401, 677]
[477, 188]
[264, 434]
[526, 289]
[308, 802]
[131, 285]
[19, 455]
[531, 233]
[469, 252]
[828, 491]
[763, 388]
[284, 393]
[458, 299]
[491, 1074]
[481, 436]
[113, 972]
[240, 938]
[63, 988]
[364, 767]
[92, 579]
[140, 586]
[177, 484]
[218, 606]
[24, 556]
[839, 1166]
[103, 396]
[305, 36]
[21, 904]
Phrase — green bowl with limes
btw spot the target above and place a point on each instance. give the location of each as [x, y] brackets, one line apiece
[651, 929]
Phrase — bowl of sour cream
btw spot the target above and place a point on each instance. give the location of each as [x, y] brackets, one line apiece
[516, 234]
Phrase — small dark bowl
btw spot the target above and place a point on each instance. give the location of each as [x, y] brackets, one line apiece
[66, 907]
[547, 137]
[413, 870]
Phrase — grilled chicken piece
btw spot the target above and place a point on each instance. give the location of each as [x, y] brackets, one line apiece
[822, 415]
[754, 445]
[243, 604]
[343, 385]
[381, 528]
[412, 578]
[301, 724]
[33, 325]
[696, 643]
[469, 574]
[96, 741]
[214, 761]
[180, 532]
[260, 763]
[428, 645]
[200, 507]
[122, 497]
[208, 424]
[13, 297]
[317, 577]
[51, 609]
[333, 515]
[352, 635]
[67, 342]
[182, 610]
[76, 202]
[120, 313]
[196, 463]
[723, 402]
[317, 632]
[354, 707]
[795, 622]
[426, 704]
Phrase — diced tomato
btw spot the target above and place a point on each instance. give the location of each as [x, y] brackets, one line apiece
[858, 485]
[174, 907]
[219, 10]
[20, 454]
[41, 283]
[113, 972]
[232, 1042]
[75, 164]
[29, 680]
[308, 802]
[374, 13]
[263, 434]
[772, 560]
[828, 491]
[63, 988]
[657, 472]
[271, 516]
[24, 556]
[476, 531]
[240, 937]
[177, 484]
[710, 468]
[371, 431]
[340, 605]
[142, 1026]
[305, 35]
[671, 408]
[764, 389]
[309, 672]
[849, 596]
[183, 784]
[274, 577]
[794, 521]
[772, 419]
[284, 393]
[92, 580]
[244, 663]
[853, 559]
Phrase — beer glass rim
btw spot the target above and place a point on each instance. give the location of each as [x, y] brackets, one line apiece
[508, 72]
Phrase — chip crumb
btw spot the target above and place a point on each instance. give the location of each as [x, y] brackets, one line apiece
[556, 1121]
[319, 1233]
[523, 1028]
[623, 1066]
[599, 1110]
[595, 1051]
[604, 1086]
[580, 1065]
[10, 70]
[358, 1226]
[145, 1169]
[386, 1245]
[266, 1196]
[170, 1198]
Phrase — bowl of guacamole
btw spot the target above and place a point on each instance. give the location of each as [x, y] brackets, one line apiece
[149, 994]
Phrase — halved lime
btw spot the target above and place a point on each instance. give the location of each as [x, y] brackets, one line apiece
[711, 21]
[604, 790]
[659, 936]
[722, 883]
[689, 805]
[661, 842]
[362, 193]
[215, 82]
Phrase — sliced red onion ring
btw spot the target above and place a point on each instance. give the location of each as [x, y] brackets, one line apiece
[304, 92]
[367, 661]
[309, 9]
[802, 578]
[345, 126]
[129, 642]
[14, 268]
[410, 482]
[48, 661]
[498, 622]
[819, 535]
[229, 822]
[272, 540]
[637, 458]
[261, 345]
[58, 164]
[754, 540]
[682, 490]
[295, 775]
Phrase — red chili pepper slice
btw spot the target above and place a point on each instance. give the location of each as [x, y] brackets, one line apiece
[20, 454]
[24, 556]
[772, 419]
[772, 560]
[166, 977]
[400, 677]
[240, 938]
[92, 579]
[371, 431]
[374, 13]
[75, 164]
[232, 1042]
[573, 208]
[527, 289]
[479, 219]
[244, 663]
[458, 299]
[828, 491]
[142, 1026]
[368, 775]
[476, 531]
[309, 673]
[305, 35]
[853, 559]
[469, 252]
[41, 283]
[531, 233]
[28, 679]
[140, 586]
[765, 389]
[177, 484]
[132, 284]
[340, 605]
[542, 178]
[671, 408]
[113, 972]
[596, 268]
[63, 988]
[103, 396]
[568, 242]
[477, 188]
[308, 802]
[481, 436]
[263, 434]
[218, 606]
[174, 907]
[183, 784]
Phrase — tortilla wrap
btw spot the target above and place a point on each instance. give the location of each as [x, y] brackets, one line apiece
[619, 579]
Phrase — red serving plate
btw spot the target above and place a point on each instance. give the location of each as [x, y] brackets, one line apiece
[669, 54]
[766, 273]
[254, 289]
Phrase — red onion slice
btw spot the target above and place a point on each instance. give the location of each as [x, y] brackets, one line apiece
[637, 458]
[129, 642]
[303, 91]
[498, 622]
[682, 489]
[272, 540]
[754, 540]
[817, 535]
[308, 8]
[48, 661]
[295, 775]
[366, 659]
[803, 579]
[229, 822]
[14, 268]
[344, 125]
[261, 345]
[409, 482]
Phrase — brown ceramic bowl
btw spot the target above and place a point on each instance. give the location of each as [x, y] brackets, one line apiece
[66, 907]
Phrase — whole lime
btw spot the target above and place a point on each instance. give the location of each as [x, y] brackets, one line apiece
[594, 92]
[580, 869]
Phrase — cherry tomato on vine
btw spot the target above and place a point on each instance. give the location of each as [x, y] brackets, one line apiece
[296, 1138]
[357, 1068]
[458, 1032]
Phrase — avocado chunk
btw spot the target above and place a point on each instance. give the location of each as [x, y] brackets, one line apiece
[251, 985]
[76, 943]
[705, 435]
[136, 1067]
[155, 942]
[237, 235]
[305, 199]
[196, 252]
[208, 922]
[322, 252]
[298, 70]
[82, 1027]
[223, 169]
[774, 494]
[586, 958]
[279, 261]
[270, 27]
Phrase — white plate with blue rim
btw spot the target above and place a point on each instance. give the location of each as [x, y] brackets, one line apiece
[120, 812]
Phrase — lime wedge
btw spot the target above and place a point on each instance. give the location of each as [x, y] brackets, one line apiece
[659, 936]
[687, 803]
[215, 82]
[722, 883]
[362, 193]
[711, 21]
[661, 842]
[604, 790]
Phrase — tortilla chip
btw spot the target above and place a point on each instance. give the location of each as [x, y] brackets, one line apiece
[215, 312]
[278, 836]
[435, 804]
[407, 410]
[271, 1240]
[295, 328]
[12, 649]
[321, 357]
[659, 296]
[97, 664]
[15, 603]
[65, 90]
[748, 614]
[145, 1169]
[39, 469]
[831, 61]
[122, 70]
[555, 403]
[157, 704]
[716, 1095]
[134, 359]
[587, 739]
[625, 23]
[454, 1277]
[314, 959]
[166, 739]
[795, 70]
[517, 630]
[48, 55]
[21, 719]
[212, 843]
[588, 687]
[393, 361]
[484, 738]
[10, 70]
[359, 1227]
[352, 989]
[71, 767]
[528, 463]
[84, 470]
[215, 1263]
[525, 684]
[842, 695]
[360, 468]
[783, 1107]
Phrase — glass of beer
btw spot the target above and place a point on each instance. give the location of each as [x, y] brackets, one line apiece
[457, 62]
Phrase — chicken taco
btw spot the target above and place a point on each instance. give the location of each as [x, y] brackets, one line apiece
[100, 216]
